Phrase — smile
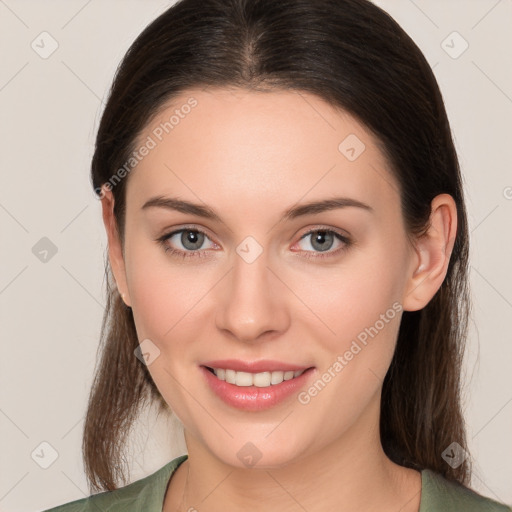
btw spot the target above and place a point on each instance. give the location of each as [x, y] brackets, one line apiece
[256, 390]
[261, 380]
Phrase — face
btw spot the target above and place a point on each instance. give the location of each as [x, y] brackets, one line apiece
[319, 289]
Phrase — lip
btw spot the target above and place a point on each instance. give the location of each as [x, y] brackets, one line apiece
[254, 398]
[265, 365]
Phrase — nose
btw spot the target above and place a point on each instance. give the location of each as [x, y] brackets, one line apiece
[252, 303]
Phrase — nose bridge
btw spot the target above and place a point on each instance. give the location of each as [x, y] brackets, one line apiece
[250, 304]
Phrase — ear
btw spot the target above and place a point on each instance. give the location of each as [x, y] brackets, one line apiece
[115, 251]
[432, 251]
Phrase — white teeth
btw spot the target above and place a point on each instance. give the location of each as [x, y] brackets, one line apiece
[276, 377]
[261, 380]
[243, 379]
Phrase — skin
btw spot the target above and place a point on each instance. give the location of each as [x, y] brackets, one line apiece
[250, 156]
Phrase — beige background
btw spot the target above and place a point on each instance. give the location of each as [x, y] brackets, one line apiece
[51, 311]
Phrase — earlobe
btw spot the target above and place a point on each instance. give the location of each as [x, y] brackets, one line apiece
[115, 252]
[432, 253]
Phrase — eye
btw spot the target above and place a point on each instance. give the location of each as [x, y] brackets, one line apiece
[191, 241]
[322, 240]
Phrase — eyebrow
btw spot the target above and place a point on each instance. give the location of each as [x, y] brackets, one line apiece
[180, 205]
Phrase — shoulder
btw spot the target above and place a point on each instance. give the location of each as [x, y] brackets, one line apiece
[438, 493]
[145, 494]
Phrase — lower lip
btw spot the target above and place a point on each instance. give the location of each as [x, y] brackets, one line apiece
[254, 398]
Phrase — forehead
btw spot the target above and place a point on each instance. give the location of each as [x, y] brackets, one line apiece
[245, 146]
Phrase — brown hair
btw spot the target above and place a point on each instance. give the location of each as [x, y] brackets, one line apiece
[356, 57]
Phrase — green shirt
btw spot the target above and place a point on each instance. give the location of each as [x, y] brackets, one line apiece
[147, 495]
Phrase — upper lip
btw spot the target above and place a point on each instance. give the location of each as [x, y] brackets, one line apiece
[263, 365]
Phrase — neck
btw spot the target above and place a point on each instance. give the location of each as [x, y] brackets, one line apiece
[352, 473]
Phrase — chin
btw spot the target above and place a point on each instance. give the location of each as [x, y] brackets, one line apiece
[256, 452]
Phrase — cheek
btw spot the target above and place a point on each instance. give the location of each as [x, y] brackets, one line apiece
[164, 299]
[351, 297]
[166, 302]
[361, 303]
[160, 294]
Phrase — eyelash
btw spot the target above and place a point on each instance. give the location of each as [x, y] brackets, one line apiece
[202, 253]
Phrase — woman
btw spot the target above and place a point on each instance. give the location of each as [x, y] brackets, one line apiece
[287, 262]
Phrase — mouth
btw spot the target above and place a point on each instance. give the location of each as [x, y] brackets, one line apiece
[269, 384]
[260, 379]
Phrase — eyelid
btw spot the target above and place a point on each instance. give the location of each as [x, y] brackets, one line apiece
[320, 227]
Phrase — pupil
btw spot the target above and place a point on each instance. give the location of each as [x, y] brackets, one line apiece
[321, 238]
[191, 239]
